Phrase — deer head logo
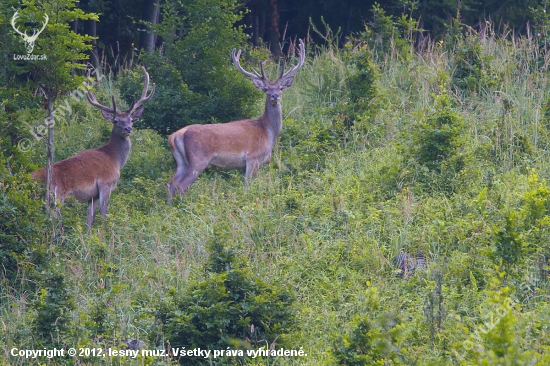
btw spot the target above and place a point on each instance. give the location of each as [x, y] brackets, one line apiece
[29, 40]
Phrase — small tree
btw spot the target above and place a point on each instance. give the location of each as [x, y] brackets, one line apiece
[22, 226]
[231, 307]
[495, 339]
[374, 338]
[62, 48]
[53, 307]
[438, 135]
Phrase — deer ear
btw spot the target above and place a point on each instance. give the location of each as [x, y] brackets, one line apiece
[108, 116]
[287, 82]
[138, 112]
[258, 83]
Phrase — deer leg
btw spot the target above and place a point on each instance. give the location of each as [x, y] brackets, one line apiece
[92, 206]
[252, 167]
[59, 199]
[191, 175]
[181, 168]
[104, 194]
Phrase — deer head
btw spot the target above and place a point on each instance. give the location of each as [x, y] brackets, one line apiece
[123, 120]
[29, 40]
[272, 89]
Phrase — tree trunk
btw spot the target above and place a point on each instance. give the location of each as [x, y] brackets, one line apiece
[273, 34]
[90, 28]
[74, 25]
[255, 24]
[262, 21]
[347, 26]
[151, 12]
[50, 154]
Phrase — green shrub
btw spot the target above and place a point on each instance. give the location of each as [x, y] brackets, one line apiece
[22, 226]
[494, 340]
[522, 231]
[306, 145]
[472, 67]
[440, 156]
[231, 308]
[361, 81]
[386, 35]
[171, 108]
[22, 223]
[381, 33]
[437, 136]
[53, 306]
[510, 244]
[375, 338]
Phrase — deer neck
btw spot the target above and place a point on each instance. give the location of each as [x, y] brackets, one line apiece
[273, 119]
[118, 148]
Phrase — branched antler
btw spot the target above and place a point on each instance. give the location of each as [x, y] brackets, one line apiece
[235, 56]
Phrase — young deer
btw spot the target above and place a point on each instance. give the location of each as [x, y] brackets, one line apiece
[91, 175]
[243, 144]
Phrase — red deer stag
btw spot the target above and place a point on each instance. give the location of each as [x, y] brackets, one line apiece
[244, 144]
[91, 175]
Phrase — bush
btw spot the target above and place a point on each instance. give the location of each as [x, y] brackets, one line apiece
[53, 307]
[494, 340]
[361, 79]
[374, 338]
[437, 145]
[230, 308]
[472, 68]
[22, 223]
[386, 34]
[438, 136]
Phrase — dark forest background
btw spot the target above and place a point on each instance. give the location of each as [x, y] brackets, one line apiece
[123, 24]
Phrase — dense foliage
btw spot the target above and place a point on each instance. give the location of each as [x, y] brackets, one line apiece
[196, 83]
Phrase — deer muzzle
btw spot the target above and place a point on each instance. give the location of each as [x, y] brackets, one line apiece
[127, 131]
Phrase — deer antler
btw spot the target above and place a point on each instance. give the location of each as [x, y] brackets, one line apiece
[237, 64]
[292, 71]
[95, 103]
[283, 75]
[135, 105]
[132, 105]
[144, 97]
